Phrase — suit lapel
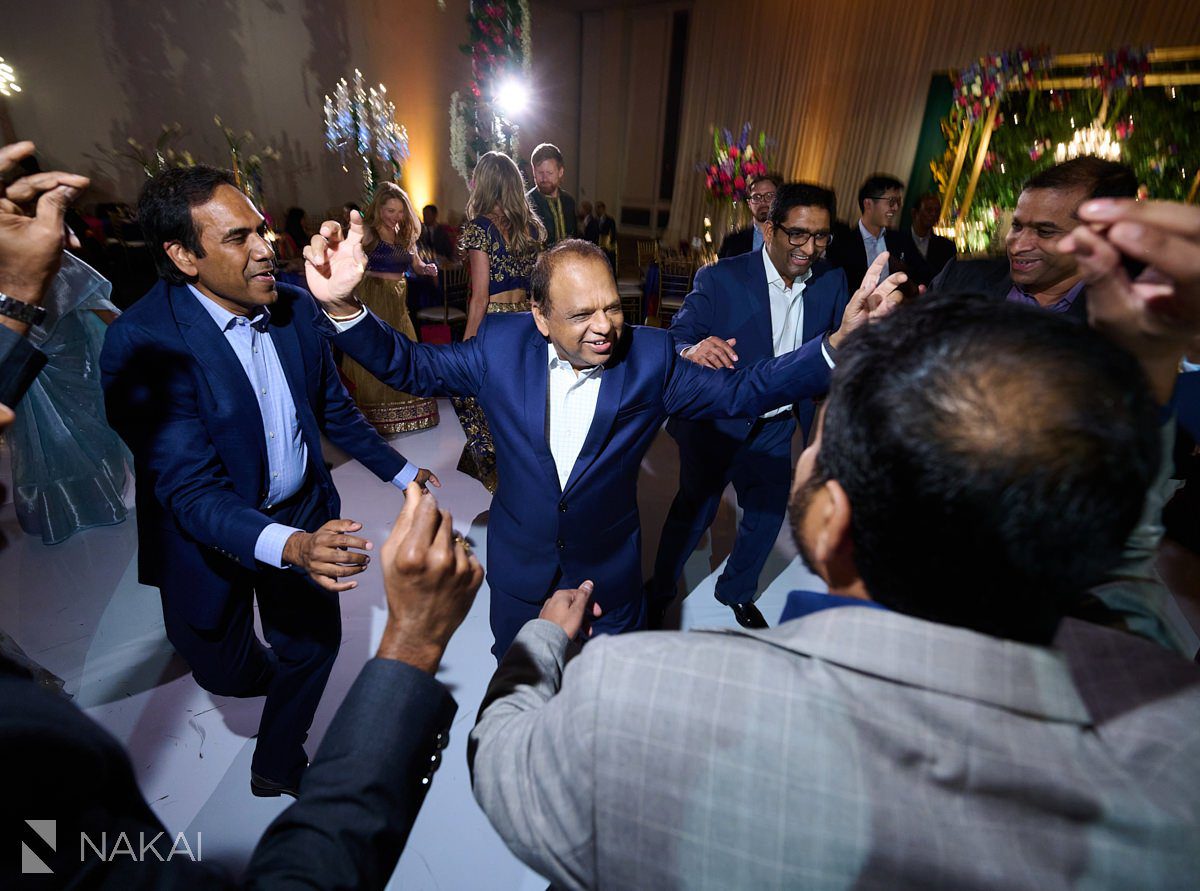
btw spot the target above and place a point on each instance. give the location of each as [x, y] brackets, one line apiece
[537, 384]
[816, 308]
[225, 374]
[612, 385]
[762, 309]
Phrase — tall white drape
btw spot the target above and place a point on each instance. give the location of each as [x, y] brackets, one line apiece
[841, 84]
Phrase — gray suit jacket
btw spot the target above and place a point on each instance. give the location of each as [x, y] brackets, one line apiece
[852, 748]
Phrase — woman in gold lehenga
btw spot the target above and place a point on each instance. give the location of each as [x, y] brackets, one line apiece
[390, 241]
[501, 242]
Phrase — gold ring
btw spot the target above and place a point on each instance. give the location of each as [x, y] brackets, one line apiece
[459, 539]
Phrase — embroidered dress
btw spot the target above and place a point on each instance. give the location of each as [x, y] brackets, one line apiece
[388, 410]
[506, 272]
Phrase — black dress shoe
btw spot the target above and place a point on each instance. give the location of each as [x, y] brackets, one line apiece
[264, 788]
[748, 616]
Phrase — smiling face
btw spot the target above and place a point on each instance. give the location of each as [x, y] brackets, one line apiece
[391, 212]
[794, 260]
[583, 317]
[238, 266]
[1042, 218]
[879, 213]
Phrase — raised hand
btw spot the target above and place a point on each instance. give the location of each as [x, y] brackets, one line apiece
[430, 576]
[873, 300]
[329, 553]
[32, 234]
[568, 608]
[713, 352]
[1156, 314]
[335, 264]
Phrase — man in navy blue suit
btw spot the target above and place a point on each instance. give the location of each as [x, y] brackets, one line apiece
[221, 388]
[573, 397]
[745, 309]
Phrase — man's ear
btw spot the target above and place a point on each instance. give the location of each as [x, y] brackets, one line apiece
[183, 258]
[543, 324]
[834, 545]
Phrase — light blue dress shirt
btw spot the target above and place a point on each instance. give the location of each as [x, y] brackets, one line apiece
[875, 246]
[287, 453]
[758, 238]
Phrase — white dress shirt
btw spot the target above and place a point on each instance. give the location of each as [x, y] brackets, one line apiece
[570, 408]
[787, 314]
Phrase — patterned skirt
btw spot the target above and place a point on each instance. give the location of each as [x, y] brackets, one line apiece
[388, 410]
[478, 457]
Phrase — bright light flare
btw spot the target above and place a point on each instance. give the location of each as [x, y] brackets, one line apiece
[512, 97]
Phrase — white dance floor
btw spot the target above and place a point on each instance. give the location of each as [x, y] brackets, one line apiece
[78, 610]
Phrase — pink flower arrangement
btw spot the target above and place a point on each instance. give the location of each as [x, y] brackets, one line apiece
[734, 162]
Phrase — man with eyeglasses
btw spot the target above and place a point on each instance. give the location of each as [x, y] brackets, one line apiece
[742, 310]
[1035, 270]
[761, 194]
[879, 203]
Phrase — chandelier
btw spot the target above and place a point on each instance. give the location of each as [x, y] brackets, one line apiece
[1094, 141]
[8, 79]
[360, 124]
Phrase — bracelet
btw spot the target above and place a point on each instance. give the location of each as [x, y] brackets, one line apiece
[27, 313]
[354, 315]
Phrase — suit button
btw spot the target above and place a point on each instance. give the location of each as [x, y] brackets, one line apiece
[442, 740]
[560, 544]
[562, 506]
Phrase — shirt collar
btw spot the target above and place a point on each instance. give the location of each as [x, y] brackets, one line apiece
[554, 362]
[773, 276]
[804, 603]
[1064, 303]
[866, 233]
[226, 319]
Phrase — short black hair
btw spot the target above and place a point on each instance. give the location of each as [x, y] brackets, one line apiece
[875, 186]
[791, 195]
[1096, 177]
[547, 262]
[165, 212]
[995, 456]
[432, 207]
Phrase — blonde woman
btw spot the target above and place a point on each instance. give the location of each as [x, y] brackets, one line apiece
[390, 243]
[501, 242]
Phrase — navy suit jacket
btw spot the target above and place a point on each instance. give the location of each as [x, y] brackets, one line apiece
[176, 393]
[589, 529]
[357, 805]
[731, 300]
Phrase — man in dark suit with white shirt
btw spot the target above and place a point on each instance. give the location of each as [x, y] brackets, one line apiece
[879, 202]
[742, 310]
[936, 250]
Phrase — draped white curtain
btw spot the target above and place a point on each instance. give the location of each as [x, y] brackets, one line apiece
[841, 84]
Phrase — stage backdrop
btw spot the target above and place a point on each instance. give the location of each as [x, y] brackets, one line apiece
[842, 86]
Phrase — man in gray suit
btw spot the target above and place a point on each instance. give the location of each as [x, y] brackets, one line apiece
[935, 720]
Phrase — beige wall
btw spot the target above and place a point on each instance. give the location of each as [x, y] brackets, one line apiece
[101, 72]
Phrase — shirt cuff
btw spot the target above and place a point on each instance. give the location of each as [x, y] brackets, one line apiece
[346, 324]
[269, 547]
[826, 351]
[407, 474]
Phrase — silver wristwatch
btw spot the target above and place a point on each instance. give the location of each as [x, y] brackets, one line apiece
[27, 313]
